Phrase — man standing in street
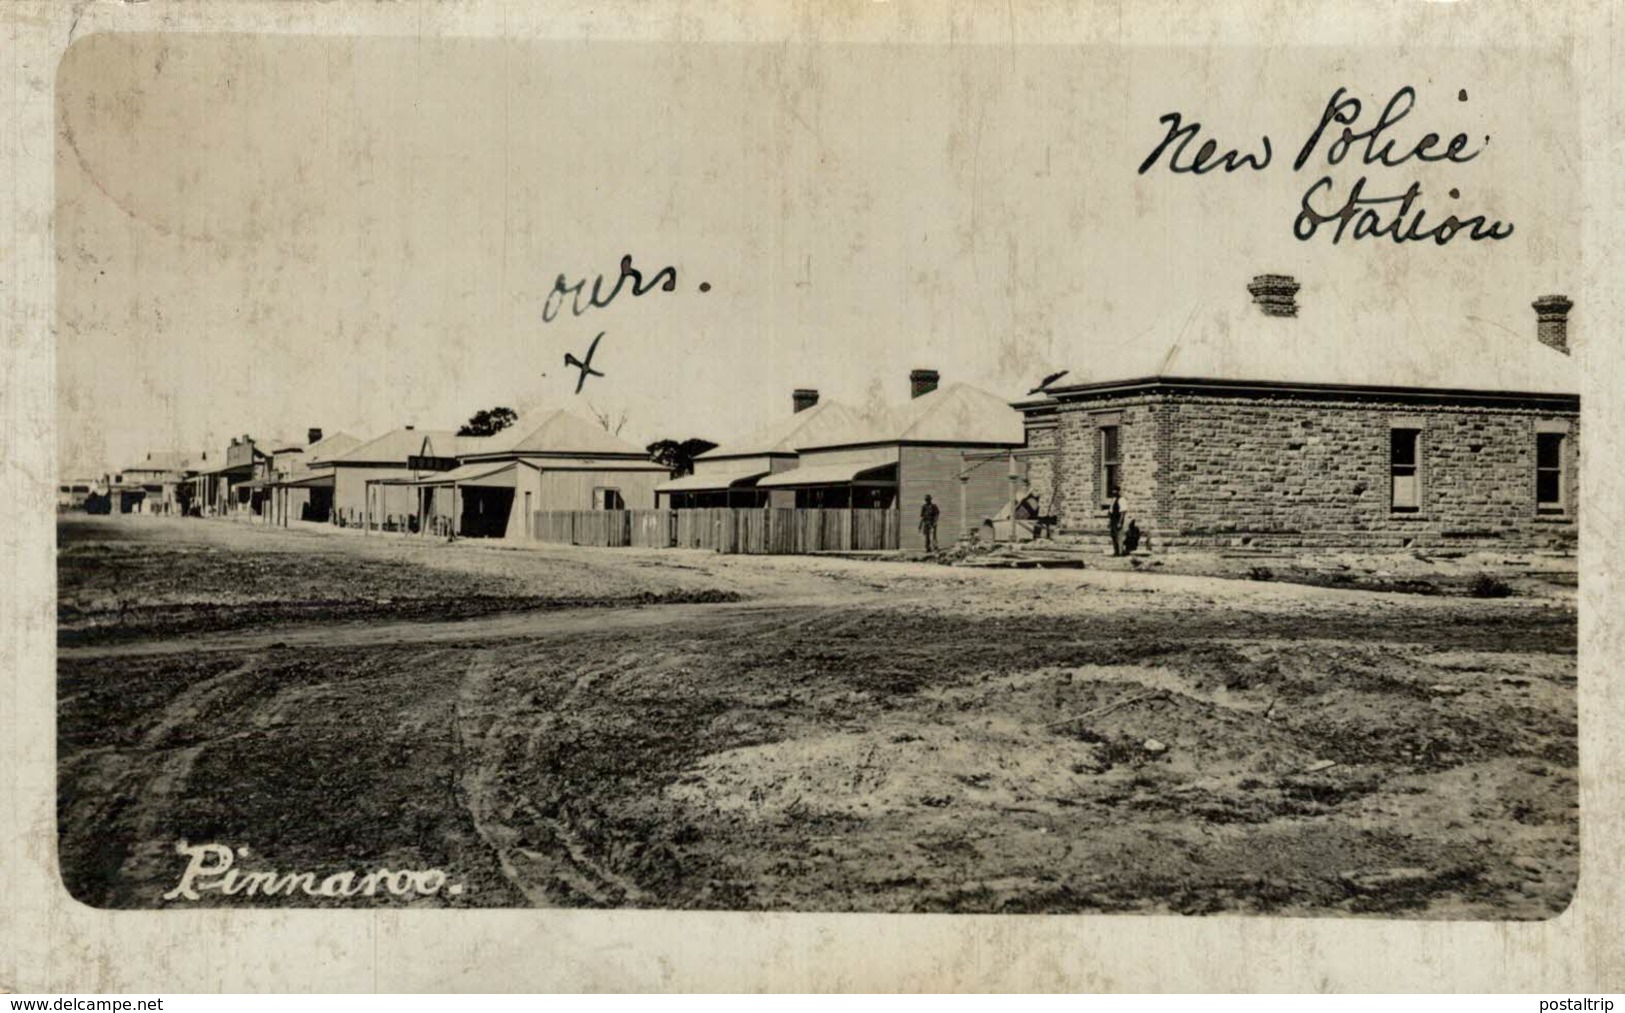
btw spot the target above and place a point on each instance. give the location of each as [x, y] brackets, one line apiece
[1117, 518]
[928, 523]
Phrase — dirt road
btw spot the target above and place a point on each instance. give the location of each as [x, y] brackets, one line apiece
[674, 729]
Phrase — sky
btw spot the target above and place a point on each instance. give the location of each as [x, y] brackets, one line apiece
[264, 234]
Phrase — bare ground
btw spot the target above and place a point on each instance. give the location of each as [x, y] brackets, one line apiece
[676, 729]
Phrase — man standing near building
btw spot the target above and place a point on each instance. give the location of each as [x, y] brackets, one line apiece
[928, 523]
[1117, 518]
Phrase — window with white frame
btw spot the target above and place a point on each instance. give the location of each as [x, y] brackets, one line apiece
[1549, 473]
[1111, 460]
[1405, 469]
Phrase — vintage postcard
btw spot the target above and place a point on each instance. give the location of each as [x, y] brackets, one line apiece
[917, 500]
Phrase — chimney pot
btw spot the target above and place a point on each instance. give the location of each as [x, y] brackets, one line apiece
[803, 398]
[313, 435]
[1275, 294]
[1552, 321]
[922, 382]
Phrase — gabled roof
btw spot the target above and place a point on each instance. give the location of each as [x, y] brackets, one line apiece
[957, 413]
[808, 426]
[556, 432]
[394, 447]
[1338, 343]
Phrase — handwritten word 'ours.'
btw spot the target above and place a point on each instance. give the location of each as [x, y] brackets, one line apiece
[1365, 215]
[563, 291]
[1379, 149]
[1204, 161]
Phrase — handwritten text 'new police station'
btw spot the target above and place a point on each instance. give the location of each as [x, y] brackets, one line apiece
[1398, 217]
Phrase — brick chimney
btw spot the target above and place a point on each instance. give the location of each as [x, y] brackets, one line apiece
[922, 382]
[1552, 321]
[1275, 294]
[804, 398]
[313, 435]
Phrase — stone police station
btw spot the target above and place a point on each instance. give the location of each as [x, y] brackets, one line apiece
[1269, 420]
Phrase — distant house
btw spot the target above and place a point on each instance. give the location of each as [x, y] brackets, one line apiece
[150, 485]
[727, 476]
[71, 493]
[943, 443]
[373, 479]
[304, 491]
[1270, 423]
[550, 460]
[236, 485]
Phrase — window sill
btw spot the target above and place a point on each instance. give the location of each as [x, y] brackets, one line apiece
[1563, 518]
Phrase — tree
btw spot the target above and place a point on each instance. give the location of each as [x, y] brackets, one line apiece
[489, 423]
[678, 455]
[613, 424]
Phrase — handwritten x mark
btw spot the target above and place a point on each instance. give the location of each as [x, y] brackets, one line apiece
[584, 366]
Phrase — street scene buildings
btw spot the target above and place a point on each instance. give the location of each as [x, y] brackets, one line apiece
[1233, 622]
[906, 503]
[1255, 423]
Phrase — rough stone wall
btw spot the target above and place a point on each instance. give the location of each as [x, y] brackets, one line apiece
[1079, 483]
[1264, 473]
[1042, 473]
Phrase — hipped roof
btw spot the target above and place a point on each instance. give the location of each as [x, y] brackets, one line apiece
[803, 428]
[396, 446]
[330, 448]
[957, 413]
[556, 432]
[1339, 343]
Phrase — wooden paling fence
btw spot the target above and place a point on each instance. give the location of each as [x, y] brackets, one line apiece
[722, 529]
[606, 528]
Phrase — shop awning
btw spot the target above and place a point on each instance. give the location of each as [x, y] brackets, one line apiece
[492, 475]
[307, 480]
[856, 471]
[716, 481]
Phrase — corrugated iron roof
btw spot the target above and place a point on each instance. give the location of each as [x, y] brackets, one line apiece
[839, 473]
[804, 428]
[713, 482]
[491, 473]
[1333, 343]
[330, 448]
[395, 447]
[556, 432]
[957, 413]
